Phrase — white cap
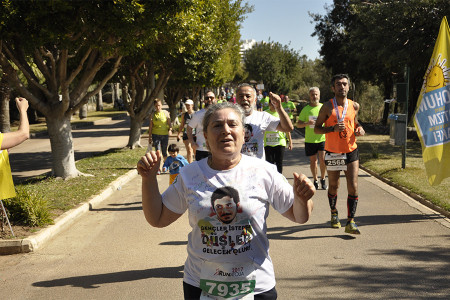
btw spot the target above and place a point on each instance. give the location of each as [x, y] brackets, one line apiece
[189, 101]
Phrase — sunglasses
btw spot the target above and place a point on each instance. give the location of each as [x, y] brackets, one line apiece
[209, 97]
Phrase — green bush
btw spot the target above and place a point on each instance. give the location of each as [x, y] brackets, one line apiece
[29, 209]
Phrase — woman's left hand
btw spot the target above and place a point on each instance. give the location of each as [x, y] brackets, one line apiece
[149, 164]
[303, 187]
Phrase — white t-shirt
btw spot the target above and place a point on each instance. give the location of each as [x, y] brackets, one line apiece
[244, 239]
[259, 121]
[196, 123]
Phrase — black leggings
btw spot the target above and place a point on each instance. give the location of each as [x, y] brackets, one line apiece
[193, 293]
[275, 155]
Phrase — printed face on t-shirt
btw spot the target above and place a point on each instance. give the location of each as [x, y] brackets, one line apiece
[248, 133]
[225, 209]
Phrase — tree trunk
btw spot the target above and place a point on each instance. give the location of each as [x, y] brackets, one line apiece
[173, 111]
[5, 121]
[134, 139]
[117, 90]
[113, 95]
[196, 97]
[99, 106]
[83, 113]
[61, 142]
[33, 116]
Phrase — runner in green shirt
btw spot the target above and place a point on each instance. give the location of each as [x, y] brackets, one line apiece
[314, 143]
[289, 107]
[275, 143]
[265, 102]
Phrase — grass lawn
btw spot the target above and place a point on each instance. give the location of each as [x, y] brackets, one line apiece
[379, 156]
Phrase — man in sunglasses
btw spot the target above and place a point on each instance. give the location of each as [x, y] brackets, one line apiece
[199, 143]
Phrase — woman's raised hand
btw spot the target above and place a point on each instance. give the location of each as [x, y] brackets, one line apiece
[303, 187]
[149, 164]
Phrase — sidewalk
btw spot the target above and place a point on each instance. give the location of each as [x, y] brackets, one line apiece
[111, 252]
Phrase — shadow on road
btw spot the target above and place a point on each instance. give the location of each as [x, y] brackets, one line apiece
[95, 281]
[174, 243]
[286, 233]
[120, 207]
[411, 280]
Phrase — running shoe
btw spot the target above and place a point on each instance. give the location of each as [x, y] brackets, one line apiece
[323, 183]
[335, 223]
[352, 228]
[316, 184]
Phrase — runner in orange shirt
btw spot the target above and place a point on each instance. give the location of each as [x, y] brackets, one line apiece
[338, 120]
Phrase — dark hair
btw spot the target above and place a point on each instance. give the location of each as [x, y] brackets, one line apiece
[173, 148]
[225, 191]
[248, 126]
[339, 76]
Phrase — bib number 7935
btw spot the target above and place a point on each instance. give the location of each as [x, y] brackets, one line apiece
[227, 289]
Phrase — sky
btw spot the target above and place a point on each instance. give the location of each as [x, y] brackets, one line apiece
[286, 22]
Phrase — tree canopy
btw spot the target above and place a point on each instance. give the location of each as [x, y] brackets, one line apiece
[376, 40]
[194, 45]
[274, 64]
[59, 53]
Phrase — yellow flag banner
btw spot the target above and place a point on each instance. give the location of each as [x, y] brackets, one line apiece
[6, 181]
[432, 115]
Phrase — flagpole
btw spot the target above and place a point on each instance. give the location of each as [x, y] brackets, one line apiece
[9, 224]
[406, 118]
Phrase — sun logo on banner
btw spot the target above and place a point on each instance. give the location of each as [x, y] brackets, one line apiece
[437, 75]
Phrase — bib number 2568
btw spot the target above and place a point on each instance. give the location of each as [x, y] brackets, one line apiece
[336, 161]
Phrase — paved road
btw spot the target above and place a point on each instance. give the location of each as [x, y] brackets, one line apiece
[111, 252]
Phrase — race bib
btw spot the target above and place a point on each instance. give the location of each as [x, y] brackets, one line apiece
[312, 118]
[272, 139]
[336, 161]
[227, 281]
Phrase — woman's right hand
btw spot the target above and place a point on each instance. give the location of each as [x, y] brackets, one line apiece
[149, 164]
[22, 104]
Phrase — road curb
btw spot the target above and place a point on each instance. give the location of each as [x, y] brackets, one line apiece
[33, 242]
